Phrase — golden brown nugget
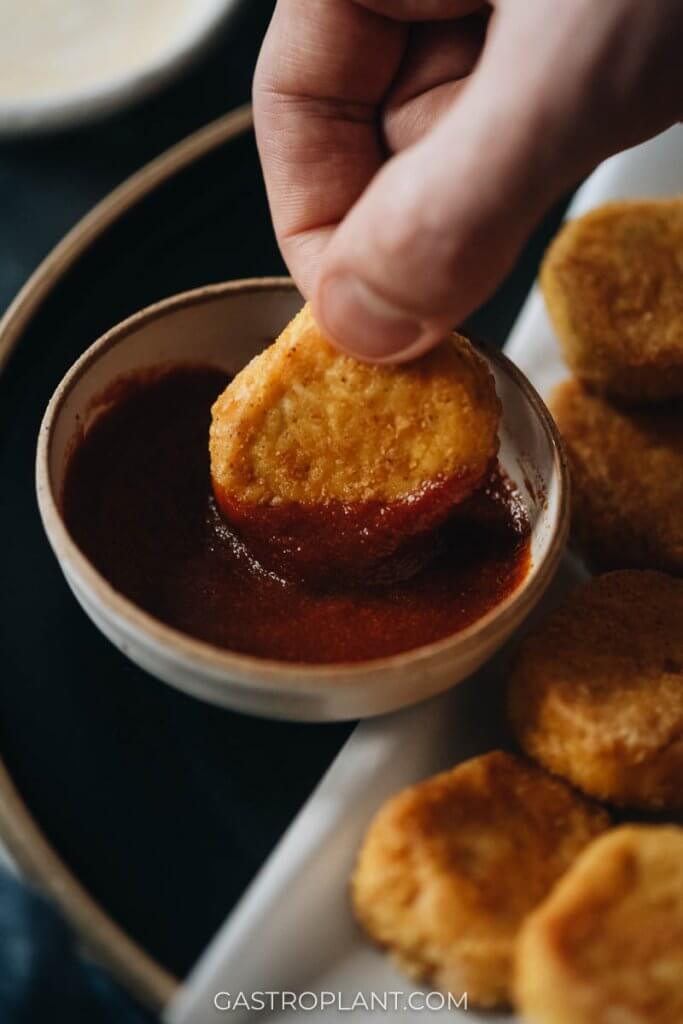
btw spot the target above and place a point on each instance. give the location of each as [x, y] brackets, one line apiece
[606, 947]
[342, 461]
[627, 480]
[613, 284]
[450, 868]
[596, 694]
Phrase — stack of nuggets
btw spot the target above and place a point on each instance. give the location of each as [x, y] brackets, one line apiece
[613, 284]
[460, 876]
[596, 696]
[495, 878]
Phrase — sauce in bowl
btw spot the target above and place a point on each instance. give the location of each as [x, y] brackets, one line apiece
[138, 501]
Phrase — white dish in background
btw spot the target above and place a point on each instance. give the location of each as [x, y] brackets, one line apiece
[64, 62]
[224, 326]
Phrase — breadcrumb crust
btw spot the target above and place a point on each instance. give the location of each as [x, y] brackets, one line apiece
[613, 284]
[627, 480]
[606, 947]
[304, 423]
[596, 694]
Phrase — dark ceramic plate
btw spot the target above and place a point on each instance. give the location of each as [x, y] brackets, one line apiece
[143, 812]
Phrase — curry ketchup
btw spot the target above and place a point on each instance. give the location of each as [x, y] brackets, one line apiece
[361, 541]
[138, 501]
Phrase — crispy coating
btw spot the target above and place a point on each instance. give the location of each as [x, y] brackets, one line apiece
[450, 868]
[304, 423]
[613, 284]
[627, 480]
[606, 947]
[596, 694]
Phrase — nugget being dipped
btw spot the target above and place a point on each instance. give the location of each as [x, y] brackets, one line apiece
[329, 466]
[451, 867]
[613, 284]
[606, 947]
[597, 691]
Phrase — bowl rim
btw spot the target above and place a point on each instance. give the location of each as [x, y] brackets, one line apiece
[80, 105]
[240, 669]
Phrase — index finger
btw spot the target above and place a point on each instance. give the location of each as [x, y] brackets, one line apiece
[321, 75]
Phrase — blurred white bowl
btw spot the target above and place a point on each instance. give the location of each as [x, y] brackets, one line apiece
[117, 67]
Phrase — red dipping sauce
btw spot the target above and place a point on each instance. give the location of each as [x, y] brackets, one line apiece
[358, 542]
[138, 502]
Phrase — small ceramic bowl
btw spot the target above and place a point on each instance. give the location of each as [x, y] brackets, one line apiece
[225, 325]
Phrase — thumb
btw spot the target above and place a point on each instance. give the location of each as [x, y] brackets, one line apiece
[442, 222]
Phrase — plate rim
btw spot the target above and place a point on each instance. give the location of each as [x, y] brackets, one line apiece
[129, 963]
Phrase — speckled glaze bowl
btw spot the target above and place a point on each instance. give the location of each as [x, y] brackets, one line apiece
[225, 325]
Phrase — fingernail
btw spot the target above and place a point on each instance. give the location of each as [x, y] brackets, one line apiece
[363, 323]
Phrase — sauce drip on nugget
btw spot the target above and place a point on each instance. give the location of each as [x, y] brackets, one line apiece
[329, 466]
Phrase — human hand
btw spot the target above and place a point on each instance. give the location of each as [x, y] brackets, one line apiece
[409, 146]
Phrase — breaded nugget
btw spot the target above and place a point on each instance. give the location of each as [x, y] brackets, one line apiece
[341, 461]
[304, 423]
[613, 284]
[606, 947]
[627, 480]
[450, 868]
[596, 694]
